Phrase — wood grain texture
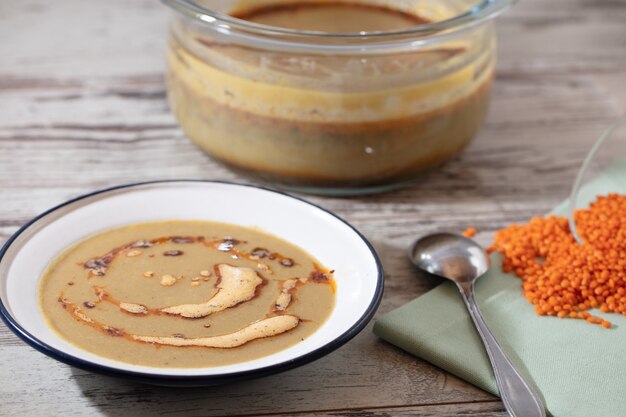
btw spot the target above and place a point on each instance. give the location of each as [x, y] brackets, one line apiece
[82, 106]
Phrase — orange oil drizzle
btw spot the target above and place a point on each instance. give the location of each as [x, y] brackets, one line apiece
[319, 275]
[82, 317]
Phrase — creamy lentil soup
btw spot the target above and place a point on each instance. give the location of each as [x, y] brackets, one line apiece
[185, 294]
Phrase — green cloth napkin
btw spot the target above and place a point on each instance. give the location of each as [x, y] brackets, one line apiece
[578, 368]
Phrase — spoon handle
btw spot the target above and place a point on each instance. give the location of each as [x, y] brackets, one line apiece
[519, 398]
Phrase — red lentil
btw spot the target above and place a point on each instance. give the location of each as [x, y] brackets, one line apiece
[563, 278]
[470, 232]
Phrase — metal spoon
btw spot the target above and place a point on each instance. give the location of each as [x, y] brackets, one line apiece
[463, 261]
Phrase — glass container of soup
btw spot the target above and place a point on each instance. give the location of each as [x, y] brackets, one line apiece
[332, 97]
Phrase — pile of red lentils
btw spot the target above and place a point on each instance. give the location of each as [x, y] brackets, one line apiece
[562, 277]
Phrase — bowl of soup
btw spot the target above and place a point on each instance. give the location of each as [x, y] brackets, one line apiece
[332, 97]
[188, 282]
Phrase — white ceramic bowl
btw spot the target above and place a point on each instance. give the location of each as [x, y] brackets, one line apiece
[331, 240]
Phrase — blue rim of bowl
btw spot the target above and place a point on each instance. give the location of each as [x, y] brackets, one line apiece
[192, 380]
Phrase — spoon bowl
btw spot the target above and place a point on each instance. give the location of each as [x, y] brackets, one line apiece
[450, 256]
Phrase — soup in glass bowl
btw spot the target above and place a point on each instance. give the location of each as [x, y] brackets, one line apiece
[332, 97]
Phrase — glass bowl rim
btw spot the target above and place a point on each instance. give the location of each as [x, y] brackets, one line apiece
[485, 10]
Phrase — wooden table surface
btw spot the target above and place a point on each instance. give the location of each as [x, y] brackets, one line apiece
[82, 107]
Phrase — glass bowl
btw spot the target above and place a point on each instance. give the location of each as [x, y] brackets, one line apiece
[335, 113]
[606, 165]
